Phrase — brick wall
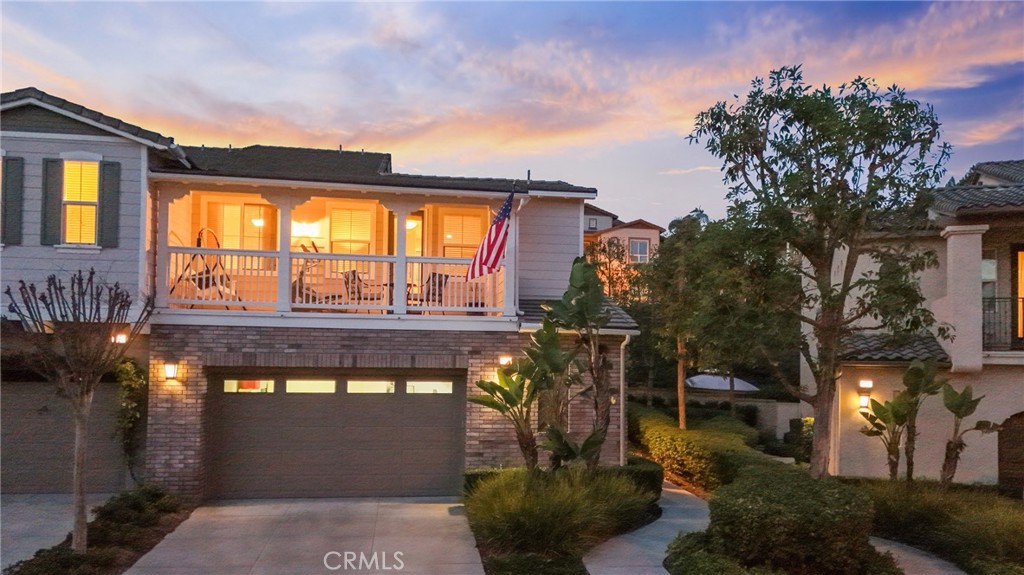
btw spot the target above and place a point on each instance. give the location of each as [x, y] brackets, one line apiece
[176, 443]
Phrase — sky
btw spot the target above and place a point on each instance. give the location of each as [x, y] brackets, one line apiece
[596, 94]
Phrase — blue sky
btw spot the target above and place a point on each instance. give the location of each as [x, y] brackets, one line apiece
[597, 94]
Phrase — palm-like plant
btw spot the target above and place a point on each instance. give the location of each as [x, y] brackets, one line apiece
[920, 381]
[513, 396]
[888, 422]
[962, 405]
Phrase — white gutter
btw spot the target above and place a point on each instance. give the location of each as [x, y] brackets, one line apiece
[622, 400]
[364, 188]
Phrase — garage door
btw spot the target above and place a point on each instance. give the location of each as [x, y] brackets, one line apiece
[323, 435]
[38, 440]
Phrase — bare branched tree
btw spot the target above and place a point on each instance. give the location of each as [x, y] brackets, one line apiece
[72, 336]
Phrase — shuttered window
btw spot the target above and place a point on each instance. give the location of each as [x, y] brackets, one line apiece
[12, 175]
[351, 231]
[462, 235]
[81, 201]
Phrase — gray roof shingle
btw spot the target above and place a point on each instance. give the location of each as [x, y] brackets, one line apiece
[533, 313]
[883, 347]
[964, 200]
[1008, 170]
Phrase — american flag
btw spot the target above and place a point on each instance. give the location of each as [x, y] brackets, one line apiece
[492, 248]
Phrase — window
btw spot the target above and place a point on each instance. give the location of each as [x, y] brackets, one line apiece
[591, 223]
[370, 386]
[639, 251]
[988, 273]
[309, 386]
[244, 226]
[80, 201]
[350, 231]
[462, 235]
[248, 386]
[428, 387]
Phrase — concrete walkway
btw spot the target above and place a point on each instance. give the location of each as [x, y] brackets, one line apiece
[32, 522]
[641, 552]
[408, 535]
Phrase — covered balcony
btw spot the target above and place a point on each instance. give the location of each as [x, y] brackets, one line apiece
[286, 252]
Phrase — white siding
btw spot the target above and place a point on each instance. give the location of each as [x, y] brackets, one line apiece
[33, 262]
[549, 240]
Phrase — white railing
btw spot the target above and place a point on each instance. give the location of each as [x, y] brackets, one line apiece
[204, 278]
[342, 282]
[440, 284]
[234, 279]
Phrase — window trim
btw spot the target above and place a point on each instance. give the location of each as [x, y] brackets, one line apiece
[64, 202]
[647, 254]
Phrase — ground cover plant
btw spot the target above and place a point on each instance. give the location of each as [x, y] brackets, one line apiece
[971, 526]
[125, 528]
[534, 521]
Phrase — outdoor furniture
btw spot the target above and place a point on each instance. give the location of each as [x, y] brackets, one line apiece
[206, 274]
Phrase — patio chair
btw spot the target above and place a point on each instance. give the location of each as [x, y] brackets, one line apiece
[206, 274]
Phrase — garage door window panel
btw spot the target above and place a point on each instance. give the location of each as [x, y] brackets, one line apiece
[248, 386]
[309, 386]
[370, 386]
[429, 387]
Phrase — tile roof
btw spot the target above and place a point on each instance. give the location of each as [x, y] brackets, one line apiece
[883, 347]
[590, 210]
[98, 117]
[533, 313]
[638, 223]
[336, 166]
[963, 200]
[1008, 170]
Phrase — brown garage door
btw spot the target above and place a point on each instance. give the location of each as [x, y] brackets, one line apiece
[324, 435]
[38, 440]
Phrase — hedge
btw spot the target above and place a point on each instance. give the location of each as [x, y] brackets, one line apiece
[707, 458]
[729, 424]
[644, 473]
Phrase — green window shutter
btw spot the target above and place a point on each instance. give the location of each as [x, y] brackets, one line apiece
[53, 196]
[110, 204]
[13, 198]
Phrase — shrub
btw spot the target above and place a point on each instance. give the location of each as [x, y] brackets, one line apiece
[973, 527]
[704, 457]
[780, 517]
[474, 475]
[554, 514]
[728, 424]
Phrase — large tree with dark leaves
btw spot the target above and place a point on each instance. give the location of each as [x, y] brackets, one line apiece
[838, 177]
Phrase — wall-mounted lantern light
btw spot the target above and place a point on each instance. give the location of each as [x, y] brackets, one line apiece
[171, 369]
[505, 360]
[864, 390]
[119, 338]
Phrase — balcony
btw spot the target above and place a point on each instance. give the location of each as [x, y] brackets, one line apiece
[1002, 324]
[248, 280]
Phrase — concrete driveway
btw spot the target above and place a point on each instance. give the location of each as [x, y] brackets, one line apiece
[29, 523]
[407, 535]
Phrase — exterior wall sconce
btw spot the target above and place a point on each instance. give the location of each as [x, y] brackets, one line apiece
[171, 369]
[864, 390]
[505, 360]
[119, 338]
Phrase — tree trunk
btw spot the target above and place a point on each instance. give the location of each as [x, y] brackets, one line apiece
[911, 444]
[650, 382]
[81, 405]
[602, 399]
[821, 441]
[894, 462]
[681, 381]
[528, 447]
[951, 461]
[732, 393]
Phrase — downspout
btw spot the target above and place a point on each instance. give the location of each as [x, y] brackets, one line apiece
[622, 400]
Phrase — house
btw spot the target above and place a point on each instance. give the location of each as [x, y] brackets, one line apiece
[639, 237]
[711, 387]
[977, 231]
[314, 332]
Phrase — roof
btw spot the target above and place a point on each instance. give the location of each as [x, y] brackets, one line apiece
[533, 313]
[336, 166]
[883, 347]
[592, 210]
[1008, 170]
[638, 223]
[25, 96]
[965, 200]
[710, 382]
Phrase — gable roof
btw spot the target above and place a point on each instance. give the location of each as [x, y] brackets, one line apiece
[883, 347]
[592, 210]
[34, 96]
[533, 314]
[1008, 170]
[638, 223]
[965, 200]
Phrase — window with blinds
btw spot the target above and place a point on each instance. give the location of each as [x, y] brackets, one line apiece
[243, 226]
[462, 235]
[351, 231]
[80, 202]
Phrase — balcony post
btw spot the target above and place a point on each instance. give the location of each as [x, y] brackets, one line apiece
[962, 304]
[508, 296]
[284, 256]
[400, 274]
[163, 256]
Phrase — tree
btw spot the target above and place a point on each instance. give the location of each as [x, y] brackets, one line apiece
[72, 336]
[513, 396]
[835, 179]
[618, 275]
[888, 422]
[962, 405]
[919, 382]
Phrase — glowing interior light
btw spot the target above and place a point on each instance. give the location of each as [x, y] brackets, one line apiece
[258, 222]
[306, 229]
[411, 224]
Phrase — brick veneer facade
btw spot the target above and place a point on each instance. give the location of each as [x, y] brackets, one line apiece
[176, 453]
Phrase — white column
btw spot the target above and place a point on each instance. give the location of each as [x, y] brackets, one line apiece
[284, 252]
[511, 259]
[963, 295]
[163, 256]
[400, 275]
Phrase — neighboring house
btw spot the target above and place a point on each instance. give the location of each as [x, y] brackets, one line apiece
[977, 231]
[314, 331]
[639, 238]
[711, 387]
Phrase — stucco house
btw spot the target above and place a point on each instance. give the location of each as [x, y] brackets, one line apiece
[977, 230]
[639, 237]
[314, 332]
